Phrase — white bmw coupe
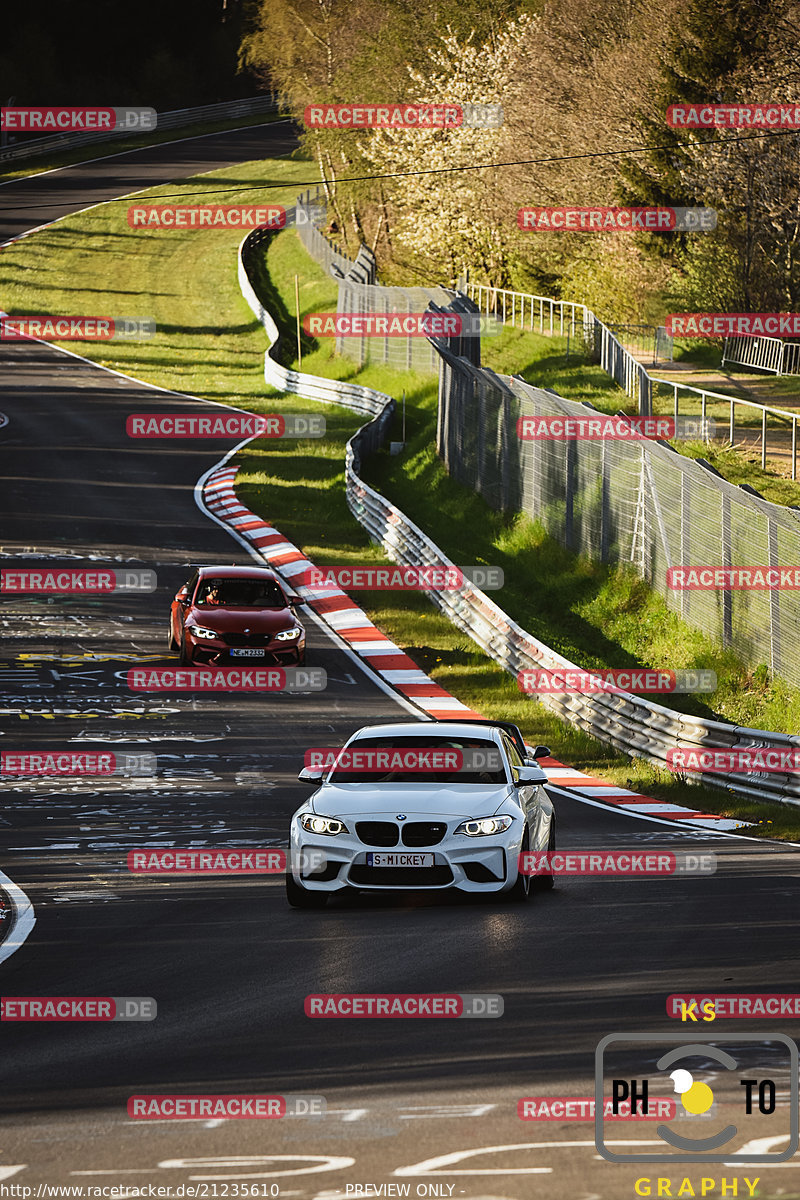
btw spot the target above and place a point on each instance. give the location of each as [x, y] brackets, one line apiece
[422, 806]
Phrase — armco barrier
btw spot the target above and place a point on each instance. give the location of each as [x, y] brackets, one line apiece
[175, 119]
[631, 724]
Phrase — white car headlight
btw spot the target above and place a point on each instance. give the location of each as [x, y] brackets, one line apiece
[200, 632]
[485, 826]
[326, 825]
[287, 635]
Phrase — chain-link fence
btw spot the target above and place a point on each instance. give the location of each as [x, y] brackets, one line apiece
[323, 251]
[636, 502]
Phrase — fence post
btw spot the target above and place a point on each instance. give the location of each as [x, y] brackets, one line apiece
[505, 456]
[726, 552]
[569, 491]
[605, 513]
[686, 548]
[774, 601]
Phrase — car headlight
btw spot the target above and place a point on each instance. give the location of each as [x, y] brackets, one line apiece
[199, 632]
[485, 826]
[287, 635]
[327, 825]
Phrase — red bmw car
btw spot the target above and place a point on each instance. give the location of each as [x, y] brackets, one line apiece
[225, 614]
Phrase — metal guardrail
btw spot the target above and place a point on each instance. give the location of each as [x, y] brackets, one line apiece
[783, 414]
[650, 341]
[563, 316]
[175, 119]
[636, 726]
[599, 339]
[763, 353]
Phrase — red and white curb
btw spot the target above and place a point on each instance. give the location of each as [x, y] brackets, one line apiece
[387, 660]
[334, 606]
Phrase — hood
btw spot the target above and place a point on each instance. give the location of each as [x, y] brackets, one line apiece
[413, 799]
[236, 620]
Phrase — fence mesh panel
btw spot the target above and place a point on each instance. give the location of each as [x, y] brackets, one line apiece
[626, 502]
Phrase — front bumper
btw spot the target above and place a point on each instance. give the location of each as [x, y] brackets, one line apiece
[217, 653]
[468, 864]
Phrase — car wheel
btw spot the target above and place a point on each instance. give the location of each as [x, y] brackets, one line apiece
[546, 883]
[172, 645]
[186, 657]
[301, 659]
[521, 890]
[300, 897]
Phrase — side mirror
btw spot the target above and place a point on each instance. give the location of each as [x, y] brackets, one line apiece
[529, 775]
[541, 752]
[311, 774]
[182, 596]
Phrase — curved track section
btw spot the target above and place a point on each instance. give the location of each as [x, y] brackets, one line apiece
[228, 963]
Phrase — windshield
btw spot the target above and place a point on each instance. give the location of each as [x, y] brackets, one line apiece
[416, 759]
[240, 593]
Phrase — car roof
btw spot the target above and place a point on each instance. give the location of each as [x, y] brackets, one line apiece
[236, 573]
[431, 728]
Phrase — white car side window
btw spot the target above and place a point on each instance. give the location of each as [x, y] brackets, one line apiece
[513, 756]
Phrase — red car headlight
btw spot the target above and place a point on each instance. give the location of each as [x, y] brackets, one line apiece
[288, 635]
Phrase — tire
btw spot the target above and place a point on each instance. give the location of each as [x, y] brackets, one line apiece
[521, 891]
[300, 897]
[172, 645]
[186, 658]
[546, 883]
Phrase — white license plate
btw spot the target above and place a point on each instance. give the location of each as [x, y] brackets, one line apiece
[399, 860]
[247, 653]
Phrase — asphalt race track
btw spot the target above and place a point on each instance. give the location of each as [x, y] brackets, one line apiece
[429, 1104]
